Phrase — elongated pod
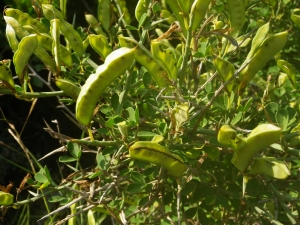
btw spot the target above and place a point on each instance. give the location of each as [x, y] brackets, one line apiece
[236, 11]
[26, 48]
[141, 8]
[100, 45]
[166, 58]
[270, 166]
[185, 5]
[68, 87]
[146, 59]
[94, 24]
[25, 19]
[116, 63]
[104, 13]
[158, 154]
[40, 52]
[55, 32]
[268, 49]
[226, 70]
[261, 137]
[173, 4]
[198, 12]
[11, 37]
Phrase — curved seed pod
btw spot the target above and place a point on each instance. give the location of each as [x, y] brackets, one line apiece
[268, 49]
[166, 58]
[270, 166]
[11, 37]
[94, 24]
[141, 8]
[146, 59]
[226, 70]
[6, 76]
[288, 68]
[158, 154]
[51, 12]
[179, 16]
[72, 36]
[185, 6]
[295, 17]
[55, 32]
[261, 137]
[40, 51]
[236, 11]
[26, 48]
[68, 87]
[100, 45]
[115, 64]
[6, 198]
[198, 12]
[104, 13]
[46, 41]
[25, 19]
[258, 39]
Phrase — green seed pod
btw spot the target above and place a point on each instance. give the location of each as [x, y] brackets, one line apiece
[26, 48]
[104, 14]
[178, 14]
[185, 6]
[158, 154]
[100, 45]
[68, 87]
[51, 12]
[146, 59]
[25, 19]
[258, 39]
[236, 11]
[73, 220]
[11, 37]
[295, 17]
[115, 64]
[6, 76]
[72, 36]
[39, 52]
[55, 32]
[91, 218]
[287, 68]
[270, 166]
[226, 70]
[6, 198]
[198, 12]
[261, 137]
[141, 8]
[46, 42]
[94, 24]
[268, 49]
[166, 58]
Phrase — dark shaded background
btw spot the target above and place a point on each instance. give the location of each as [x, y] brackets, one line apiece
[36, 139]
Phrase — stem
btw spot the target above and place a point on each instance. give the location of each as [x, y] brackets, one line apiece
[21, 95]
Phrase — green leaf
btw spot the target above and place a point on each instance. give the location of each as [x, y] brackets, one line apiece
[132, 117]
[129, 27]
[137, 177]
[40, 177]
[74, 149]
[134, 188]
[66, 159]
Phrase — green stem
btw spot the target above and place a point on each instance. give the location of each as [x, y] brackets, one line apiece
[183, 68]
[20, 94]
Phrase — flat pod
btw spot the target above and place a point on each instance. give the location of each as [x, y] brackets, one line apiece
[6, 198]
[158, 154]
[146, 59]
[26, 48]
[11, 37]
[100, 44]
[6, 76]
[115, 64]
[141, 8]
[198, 12]
[226, 70]
[261, 137]
[268, 49]
[68, 87]
[104, 13]
[236, 10]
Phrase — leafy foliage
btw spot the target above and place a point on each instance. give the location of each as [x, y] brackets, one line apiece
[219, 100]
